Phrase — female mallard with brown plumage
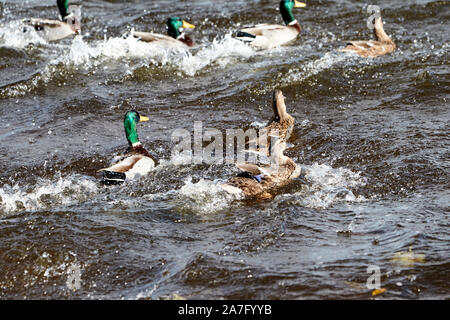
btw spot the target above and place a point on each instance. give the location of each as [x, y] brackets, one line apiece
[255, 181]
[266, 36]
[282, 122]
[52, 30]
[383, 44]
[176, 37]
[136, 160]
[280, 125]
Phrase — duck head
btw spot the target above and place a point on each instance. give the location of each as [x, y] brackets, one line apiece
[286, 7]
[70, 15]
[176, 26]
[130, 121]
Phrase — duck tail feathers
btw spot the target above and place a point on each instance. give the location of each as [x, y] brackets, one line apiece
[112, 177]
[245, 36]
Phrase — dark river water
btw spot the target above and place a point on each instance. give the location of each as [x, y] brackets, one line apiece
[372, 135]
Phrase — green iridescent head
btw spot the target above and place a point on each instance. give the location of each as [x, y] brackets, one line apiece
[175, 27]
[130, 122]
[286, 7]
[71, 16]
[63, 6]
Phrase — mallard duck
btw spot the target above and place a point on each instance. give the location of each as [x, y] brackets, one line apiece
[266, 36]
[52, 30]
[282, 122]
[280, 125]
[176, 38]
[254, 181]
[383, 44]
[135, 160]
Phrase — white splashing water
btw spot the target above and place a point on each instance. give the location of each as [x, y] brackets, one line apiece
[258, 124]
[220, 51]
[328, 186]
[91, 55]
[46, 194]
[13, 36]
[204, 197]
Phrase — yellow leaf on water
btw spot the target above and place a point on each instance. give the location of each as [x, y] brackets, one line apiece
[378, 291]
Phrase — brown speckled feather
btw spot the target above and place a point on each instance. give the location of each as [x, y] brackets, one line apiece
[252, 188]
[281, 124]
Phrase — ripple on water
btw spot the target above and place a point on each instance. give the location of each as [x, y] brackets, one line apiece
[375, 146]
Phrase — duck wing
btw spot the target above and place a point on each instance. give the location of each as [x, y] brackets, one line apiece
[267, 36]
[258, 169]
[50, 30]
[157, 38]
[362, 44]
[251, 168]
[149, 37]
[263, 29]
[40, 24]
[123, 163]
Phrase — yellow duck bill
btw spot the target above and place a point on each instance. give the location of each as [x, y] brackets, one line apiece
[298, 4]
[188, 25]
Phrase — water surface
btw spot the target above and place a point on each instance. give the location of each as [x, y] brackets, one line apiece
[371, 134]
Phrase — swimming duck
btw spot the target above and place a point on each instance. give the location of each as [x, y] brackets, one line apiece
[135, 160]
[280, 125]
[176, 38]
[266, 36]
[52, 30]
[254, 181]
[383, 44]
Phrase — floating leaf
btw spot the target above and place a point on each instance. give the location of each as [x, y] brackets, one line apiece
[378, 291]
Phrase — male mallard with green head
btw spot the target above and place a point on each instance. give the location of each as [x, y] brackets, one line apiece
[136, 160]
[52, 30]
[266, 36]
[383, 44]
[255, 181]
[176, 37]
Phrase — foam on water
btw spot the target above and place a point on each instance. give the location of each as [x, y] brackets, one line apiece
[12, 35]
[328, 186]
[221, 52]
[204, 196]
[46, 193]
[258, 124]
[92, 55]
[190, 62]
